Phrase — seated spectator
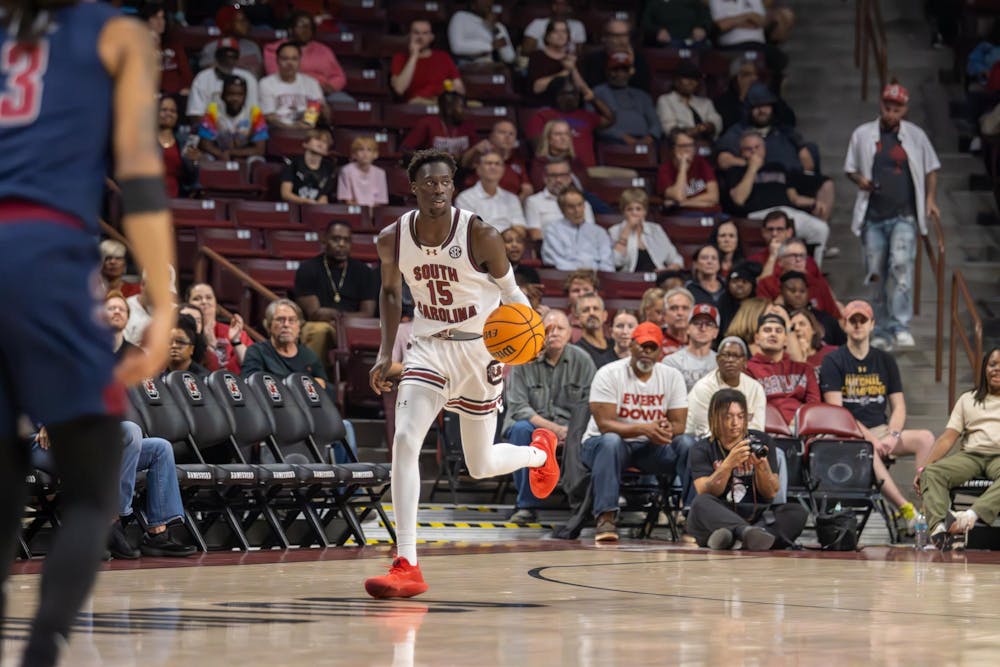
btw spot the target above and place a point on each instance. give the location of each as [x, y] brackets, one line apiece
[289, 98]
[741, 26]
[578, 283]
[788, 384]
[740, 286]
[697, 359]
[776, 228]
[617, 37]
[974, 421]
[541, 209]
[535, 31]
[330, 284]
[360, 182]
[730, 374]
[866, 381]
[687, 181]
[705, 283]
[809, 331]
[186, 345]
[419, 75]
[318, 60]
[207, 85]
[496, 206]
[677, 305]
[113, 269]
[793, 349]
[795, 296]
[678, 23]
[640, 245]
[503, 139]
[309, 178]
[228, 340]
[792, 257]
[281, 353]
[555, 60]
[736, 487]
[682, 108]
[175, 71]
[139, 313]
[622, 326]
[542, 394]
[725, 238]
[448, 131]
[475, 35]
[233, 128]
[573, 242]
[671, 278]
[208, 358]
[180, 165]
[762, 186]
[513, 241]
[744, 322]
[635, 117]
[565, 102]
[639, 409]
[116, 311]
[555, 143]
[234, 25]
[744, 72]
[592, 317]
[651, 307]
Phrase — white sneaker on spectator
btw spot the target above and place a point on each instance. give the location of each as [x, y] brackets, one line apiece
[905, 339]
[881, 343]
[830, 252]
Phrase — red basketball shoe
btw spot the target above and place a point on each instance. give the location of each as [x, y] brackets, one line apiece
[543, 480]
[403, 581]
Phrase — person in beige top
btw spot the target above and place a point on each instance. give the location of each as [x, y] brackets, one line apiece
[683, 108]
[976, 420]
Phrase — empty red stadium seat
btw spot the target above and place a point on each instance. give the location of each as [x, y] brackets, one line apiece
[194, 37]
[232, 242]
[318, 216]
[640, 156]
[490, 87]
[265, 214]
[625, 285]
[405, 116]
[363, 247]
[267, 176]
[775, 424]
[357, 114]
[485, 117]
[384, 46]
[272, 273]
[608, 220]
[371, 81]
[610, 189]
[199, 213]
[399, 184]
[826, 419]
[404, 12]
[360, 338]
[361, 11]
[286, 143]
[288, 244]
[386, 215]
[683, 229]
[553, 281]
[345, 43]
[231, 178]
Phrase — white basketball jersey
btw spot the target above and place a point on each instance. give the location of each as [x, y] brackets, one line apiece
[450, 293]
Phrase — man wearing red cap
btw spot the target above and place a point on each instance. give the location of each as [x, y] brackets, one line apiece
[697, 359]
[895, 168]
[207, 85]
[232, 22]
[639, 410]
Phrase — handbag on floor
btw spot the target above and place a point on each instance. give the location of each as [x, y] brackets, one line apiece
[837, 531]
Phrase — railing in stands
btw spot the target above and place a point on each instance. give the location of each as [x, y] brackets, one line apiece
[256, 337]
[936, 260]
[205, 255]
[973, 345]
[870, 40]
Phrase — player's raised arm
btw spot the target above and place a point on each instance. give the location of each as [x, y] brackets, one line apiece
[488, 251]
[126, 49]
[390, 302]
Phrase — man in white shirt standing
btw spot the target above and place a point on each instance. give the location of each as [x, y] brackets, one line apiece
[498, 207]
[542, 208]
[207, 85]
[289, 98]
[639, 409]
[895, 168]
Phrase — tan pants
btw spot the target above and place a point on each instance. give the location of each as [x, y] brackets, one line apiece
[321, 338]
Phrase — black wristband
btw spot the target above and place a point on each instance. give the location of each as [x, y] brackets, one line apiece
[236, 343]
[145, 194]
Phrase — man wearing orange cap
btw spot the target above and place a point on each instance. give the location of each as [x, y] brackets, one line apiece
[639, 409]
[895, 168]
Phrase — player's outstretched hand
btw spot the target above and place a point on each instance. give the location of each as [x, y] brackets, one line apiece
[378, 376]
[156, 341]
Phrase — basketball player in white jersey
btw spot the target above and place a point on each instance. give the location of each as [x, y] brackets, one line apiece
[458, 273]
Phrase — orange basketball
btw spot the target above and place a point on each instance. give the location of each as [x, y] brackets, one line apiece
[514, 334]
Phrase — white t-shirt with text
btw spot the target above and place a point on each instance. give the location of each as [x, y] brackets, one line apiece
[288, 99]
[636, 402]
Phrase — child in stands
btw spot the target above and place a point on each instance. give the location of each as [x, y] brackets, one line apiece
[360, 182]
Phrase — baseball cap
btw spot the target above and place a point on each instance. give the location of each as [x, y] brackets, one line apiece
[896, 93]
[747, 271]
[858, 306]
[687, 70]
[770, 317]
[647, 332]
[619, 59]
[760, 95]
[227, 43]
[705, 310]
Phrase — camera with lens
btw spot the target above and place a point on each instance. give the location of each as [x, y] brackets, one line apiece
[757, 447]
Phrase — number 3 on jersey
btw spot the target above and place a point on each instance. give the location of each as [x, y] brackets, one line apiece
[22, 67]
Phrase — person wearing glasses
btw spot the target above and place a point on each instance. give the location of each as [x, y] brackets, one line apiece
[186, 345]
[793, 256]
[731, 373]
[866, 381]
[281, 353]
[687, 181]
[734, 474]
[697, 359]
[542, 208]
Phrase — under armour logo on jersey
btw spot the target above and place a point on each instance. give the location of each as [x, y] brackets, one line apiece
[454, 252]
[431, 251]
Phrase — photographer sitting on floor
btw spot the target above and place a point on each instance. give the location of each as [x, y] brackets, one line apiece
[733, 473]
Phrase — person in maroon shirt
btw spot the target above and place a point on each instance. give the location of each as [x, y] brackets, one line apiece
[448, 131]
[776, 228]
[180, 167]
[687, 181]
[787, 384]
[418, 76]
[566, 104]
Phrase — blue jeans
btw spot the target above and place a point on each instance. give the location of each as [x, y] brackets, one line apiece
[339, 454]
[890, 248]
[156, 456]
[608, 455]
[520, 434]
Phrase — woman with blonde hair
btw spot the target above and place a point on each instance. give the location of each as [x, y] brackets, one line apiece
[651, 308]
[641, 245]
[555, 141]
[744, 324]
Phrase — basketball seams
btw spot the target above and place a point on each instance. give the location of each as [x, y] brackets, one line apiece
[530, 324]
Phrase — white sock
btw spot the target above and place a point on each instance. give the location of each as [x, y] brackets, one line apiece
[485, 459]
[538, 457]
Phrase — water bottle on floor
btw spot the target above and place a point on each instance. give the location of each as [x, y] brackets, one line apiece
[920, 538]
